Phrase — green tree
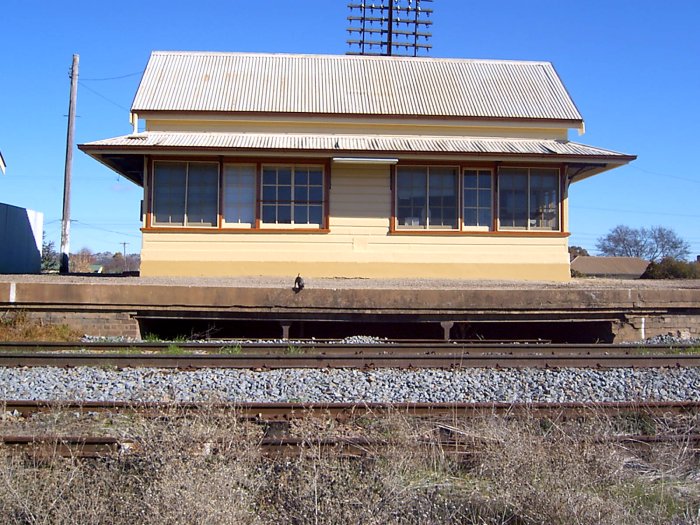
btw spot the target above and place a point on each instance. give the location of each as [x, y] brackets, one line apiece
[50, 261]
[651, 244]
[575, 251]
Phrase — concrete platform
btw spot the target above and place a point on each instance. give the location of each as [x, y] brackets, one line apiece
[615, 310]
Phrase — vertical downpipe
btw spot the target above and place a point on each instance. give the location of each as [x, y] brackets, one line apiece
[643, 328]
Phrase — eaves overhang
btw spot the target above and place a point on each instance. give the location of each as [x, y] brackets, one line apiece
[125, 154]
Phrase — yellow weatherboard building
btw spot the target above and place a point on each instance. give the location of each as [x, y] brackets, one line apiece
[353, 166]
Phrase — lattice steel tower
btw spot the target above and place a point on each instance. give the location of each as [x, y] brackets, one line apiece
[385, 27]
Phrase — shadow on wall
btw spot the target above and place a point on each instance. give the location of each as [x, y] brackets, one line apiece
[20, 239]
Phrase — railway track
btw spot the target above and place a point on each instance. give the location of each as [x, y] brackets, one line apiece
[311, 354]
[331, 348]
[92, 447]
[364, 360]
[270, 412]
[277, 416]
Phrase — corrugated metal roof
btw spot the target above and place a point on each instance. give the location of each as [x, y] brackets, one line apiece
[352, 143]
[352, 85]
[608, 266]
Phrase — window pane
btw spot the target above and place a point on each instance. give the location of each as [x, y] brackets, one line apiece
[470, 179]
[411, 191]
[269, 193]
[284, 214]
[315, 194]
[301, 194]
[470, 198]
[269, 214]
[442, 191]
[315, 177]
[512, 199]
[239, 194]
[284, 193]
[202, 194]
[471, 217]
[269, 176]
[284, 176]
[301, 177]
[301, 214]
[169, 183]
[485, 217]
[544, 199]
[316, 215]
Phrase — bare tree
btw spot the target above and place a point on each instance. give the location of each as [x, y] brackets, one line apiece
[651, 244]
[80, 262]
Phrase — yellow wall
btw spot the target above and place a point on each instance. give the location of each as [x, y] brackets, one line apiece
[358, 245]
[387, 126]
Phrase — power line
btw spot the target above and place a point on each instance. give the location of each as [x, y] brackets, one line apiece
[115, 78]
[645, 212]
[80, 223]
[103, 97]
[663, 174]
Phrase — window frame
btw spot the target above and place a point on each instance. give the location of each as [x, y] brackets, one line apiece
[257, 226]
[492, 193]
[262, 202]
[427, 227]
[528, 211]
[238, 225]
[185, 209]
[495, 228]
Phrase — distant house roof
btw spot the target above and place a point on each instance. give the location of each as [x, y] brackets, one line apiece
[353, 85]
[622, 267]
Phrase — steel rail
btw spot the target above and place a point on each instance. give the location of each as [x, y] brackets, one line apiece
[364, 360]
[288, 411]
[90, 447]
[328, 347]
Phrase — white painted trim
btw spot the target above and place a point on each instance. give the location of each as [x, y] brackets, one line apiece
[359, 160]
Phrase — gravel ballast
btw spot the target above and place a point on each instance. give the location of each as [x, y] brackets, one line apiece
[350, 385]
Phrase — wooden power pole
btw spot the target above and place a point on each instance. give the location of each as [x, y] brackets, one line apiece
[65, 222]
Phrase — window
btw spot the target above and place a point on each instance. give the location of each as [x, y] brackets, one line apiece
[185, 193]
[477, 199]
[426, 197]
[239, 196]
[528, 198]
[292, 195]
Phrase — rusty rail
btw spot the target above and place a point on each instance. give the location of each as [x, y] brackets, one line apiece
[330, 348]
[288, 411]
[91, 447]
[358, 360]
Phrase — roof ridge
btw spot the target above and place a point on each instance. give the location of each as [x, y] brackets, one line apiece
[347, 57]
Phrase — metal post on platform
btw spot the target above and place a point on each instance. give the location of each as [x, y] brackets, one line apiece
[285, 329]
[446, 329]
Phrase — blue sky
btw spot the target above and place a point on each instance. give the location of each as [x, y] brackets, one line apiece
[631, 66]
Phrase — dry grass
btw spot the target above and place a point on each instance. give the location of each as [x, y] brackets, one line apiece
[206, 468]
[16, 326]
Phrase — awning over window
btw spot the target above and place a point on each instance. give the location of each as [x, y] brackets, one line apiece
[124, 154]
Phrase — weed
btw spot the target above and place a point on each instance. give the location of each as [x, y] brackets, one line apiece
[294, 350]
[17, 325]
[232, 349]
[206, 467]
[174, 349]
